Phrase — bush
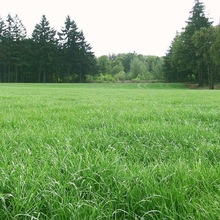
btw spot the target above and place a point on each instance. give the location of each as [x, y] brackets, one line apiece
[121, 76]
[90, 78]
[105, 78]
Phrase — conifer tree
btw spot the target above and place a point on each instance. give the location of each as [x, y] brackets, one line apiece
[2, 54]
[196, 21]
[19, 34]
[184, 55]
[69, 45]
[76, 56]
[45, 43]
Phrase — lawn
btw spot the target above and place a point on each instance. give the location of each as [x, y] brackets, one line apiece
[109, 151]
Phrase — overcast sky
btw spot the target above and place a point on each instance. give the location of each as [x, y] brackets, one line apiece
[114, 26]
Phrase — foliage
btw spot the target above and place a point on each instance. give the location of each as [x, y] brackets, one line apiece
[44, 57]
[104, 64]
[131, 67]
[45, 49]
[65, 56]
[104, 78]
[120, 76]
[203, 39]
[190, 57]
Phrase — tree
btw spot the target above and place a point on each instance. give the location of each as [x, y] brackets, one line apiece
[104, 64]
[138, 69]
[196, 21]
[117, 66]
[184, 59]
[154, 65]
[215, 52]
[2, 54]
[178, 59]
[19, 34]
[69, 44]
[8, 46]
[87, 60]
[127, 58]
[46, 44]
[203, 40]
[77, 59]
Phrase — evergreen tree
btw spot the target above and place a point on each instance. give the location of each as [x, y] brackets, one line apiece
[196, 21]
[8, 47]
[87, 60]
[215, 53]
[19, 31]
[168, 71]
[19, 34]
[184, 58]
[46, 45]
[203, 40]
[2, 54]
[69, 39]
[77, 59]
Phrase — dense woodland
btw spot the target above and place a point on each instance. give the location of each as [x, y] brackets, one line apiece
[65, 56]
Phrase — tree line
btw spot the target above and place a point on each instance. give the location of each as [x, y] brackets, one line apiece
[194, 54]
[65, 56]
[48, 56]
[51, 56]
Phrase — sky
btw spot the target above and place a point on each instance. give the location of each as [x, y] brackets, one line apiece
[114, 26]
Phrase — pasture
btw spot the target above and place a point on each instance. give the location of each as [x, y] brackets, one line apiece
[109, 151]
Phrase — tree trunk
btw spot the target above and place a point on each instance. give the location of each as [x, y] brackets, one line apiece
[210, 78]
[9, 73]
[16, 73]
[68, 74]
[39, 78]
[4, 78]
[1, 74]
[200, 77]
[44, 74]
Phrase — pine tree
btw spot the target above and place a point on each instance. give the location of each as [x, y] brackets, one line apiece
[184, 58]
[196, 21]
[45, 43]
[2, 55]
[86, 57]
[203, 40]
[19, 34]
[19, 31]
[76, 56]
[215, 52]
[69, 40]
[12, 33]
[8, 47]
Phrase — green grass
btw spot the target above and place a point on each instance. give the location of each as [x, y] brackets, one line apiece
[109, 151]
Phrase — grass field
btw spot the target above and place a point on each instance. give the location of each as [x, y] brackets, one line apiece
[109, 151]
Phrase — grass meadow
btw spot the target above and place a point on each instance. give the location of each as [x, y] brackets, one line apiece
[109, 151]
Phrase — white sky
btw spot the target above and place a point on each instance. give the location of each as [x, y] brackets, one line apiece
[114, 26]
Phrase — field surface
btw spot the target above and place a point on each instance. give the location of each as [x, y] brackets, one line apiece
[109, 151]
